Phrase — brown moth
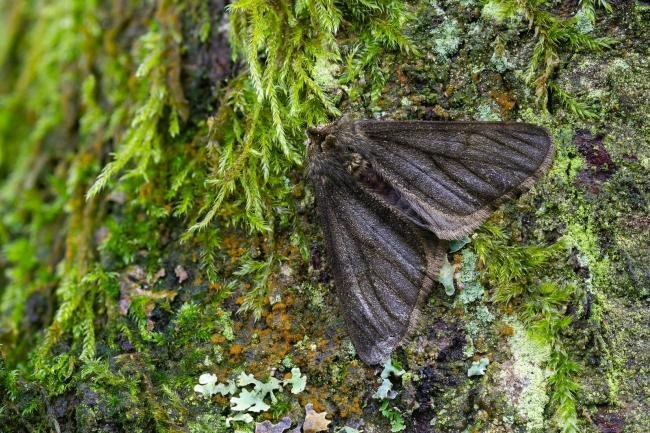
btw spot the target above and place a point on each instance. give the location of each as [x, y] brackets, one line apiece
[391, 194]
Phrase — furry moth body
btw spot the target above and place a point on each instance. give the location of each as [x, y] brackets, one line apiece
[390, 194]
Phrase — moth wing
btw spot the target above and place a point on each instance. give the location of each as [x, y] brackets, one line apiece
[383, 265]
[455, 174]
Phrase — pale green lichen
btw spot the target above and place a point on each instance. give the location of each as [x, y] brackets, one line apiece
[446, 38]
[524, 378]
[298, 381]
[501, 57]
[446, 277]
[483, 315]
[386, 386]
[458, 244]
[472, 288]
[478, 367]
[478, 315]
[246, 399]
[488, 112]
[583, 22]
[208, 386]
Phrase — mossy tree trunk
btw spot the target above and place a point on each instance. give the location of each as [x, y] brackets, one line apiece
[156, 224]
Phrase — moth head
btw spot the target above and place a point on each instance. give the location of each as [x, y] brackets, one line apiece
[321, 139]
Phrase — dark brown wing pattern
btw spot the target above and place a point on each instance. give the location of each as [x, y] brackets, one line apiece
[455, 174]
[388, 192]
[383, 266]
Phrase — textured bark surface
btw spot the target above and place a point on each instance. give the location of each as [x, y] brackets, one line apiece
[111, 311]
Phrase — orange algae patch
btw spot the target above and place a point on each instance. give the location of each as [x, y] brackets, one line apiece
[347, 405]
[449, 90]
[278, 306]
[270, 339]
[506, 330]
[316, 396]
[222, 401]
[440, 112]
[322, 344]
[233, 247]
[236, 350]
[217, 338]
[505, 100]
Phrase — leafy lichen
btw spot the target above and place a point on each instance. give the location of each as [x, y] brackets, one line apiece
[472, 288]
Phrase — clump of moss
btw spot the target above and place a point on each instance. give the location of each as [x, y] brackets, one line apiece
[514, 272]
[104, 164]
[553, 36]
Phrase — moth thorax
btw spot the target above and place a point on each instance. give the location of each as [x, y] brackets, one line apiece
[355, 164]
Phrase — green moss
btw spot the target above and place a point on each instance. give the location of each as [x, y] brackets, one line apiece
[88, 88]
[104, 164]
[513, 272]
[257, 132]
[160, 101]
[393, 416]
[553, 36]
[208, 423]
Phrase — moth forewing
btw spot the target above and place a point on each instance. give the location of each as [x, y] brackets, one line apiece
[455, 174]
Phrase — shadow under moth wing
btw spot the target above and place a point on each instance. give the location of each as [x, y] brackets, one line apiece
[389, 192]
